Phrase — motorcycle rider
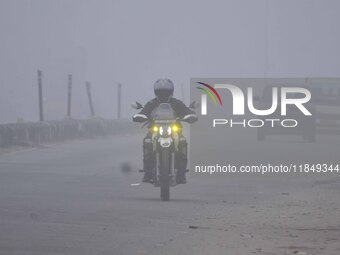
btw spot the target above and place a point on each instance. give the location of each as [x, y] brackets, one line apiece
[164, 89]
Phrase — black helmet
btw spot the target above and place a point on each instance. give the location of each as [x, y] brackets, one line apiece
[164, 89]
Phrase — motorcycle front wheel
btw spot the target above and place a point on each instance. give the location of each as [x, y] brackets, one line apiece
[165, 167]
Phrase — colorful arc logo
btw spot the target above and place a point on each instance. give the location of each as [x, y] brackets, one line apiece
[209, 90]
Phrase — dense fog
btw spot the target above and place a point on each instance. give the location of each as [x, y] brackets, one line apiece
[135, 42]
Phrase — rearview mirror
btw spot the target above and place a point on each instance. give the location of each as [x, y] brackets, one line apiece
[137, 106]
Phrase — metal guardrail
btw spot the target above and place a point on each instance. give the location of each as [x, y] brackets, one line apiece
[34, 133]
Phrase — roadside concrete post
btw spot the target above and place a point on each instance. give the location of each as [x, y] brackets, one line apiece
[89, 95]
[40, 95]
[119, 100]
[69, 97]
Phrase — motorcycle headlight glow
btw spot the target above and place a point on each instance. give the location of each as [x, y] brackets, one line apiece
[165, 129]
[155, 129]
[175, 128]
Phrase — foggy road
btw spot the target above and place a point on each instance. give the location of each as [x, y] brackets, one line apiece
[250, 70]
[72, 198]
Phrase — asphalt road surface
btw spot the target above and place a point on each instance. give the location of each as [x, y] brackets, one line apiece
[73, 198]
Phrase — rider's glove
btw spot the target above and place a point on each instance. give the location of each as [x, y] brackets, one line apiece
[190, 118]
[139, 118]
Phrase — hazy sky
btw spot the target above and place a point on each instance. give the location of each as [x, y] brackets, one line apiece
[136, 42]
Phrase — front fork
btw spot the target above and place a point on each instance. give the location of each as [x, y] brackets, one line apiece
[169, 155]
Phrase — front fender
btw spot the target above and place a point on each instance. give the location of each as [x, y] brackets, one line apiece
[165, 142]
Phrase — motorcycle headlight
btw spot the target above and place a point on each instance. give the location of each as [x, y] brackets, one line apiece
[162, 130]
[175, 128]
[155, 129]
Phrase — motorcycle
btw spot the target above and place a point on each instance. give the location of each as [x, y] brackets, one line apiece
[166, 131]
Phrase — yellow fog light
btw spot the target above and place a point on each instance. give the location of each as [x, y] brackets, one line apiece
[175, 128]
[155, 129]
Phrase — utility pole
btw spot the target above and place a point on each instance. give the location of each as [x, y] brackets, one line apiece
[69, 97]
[40, 94]
[88, 89]
[119, 100]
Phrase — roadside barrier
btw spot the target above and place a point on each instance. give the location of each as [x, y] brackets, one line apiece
[34, 133]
